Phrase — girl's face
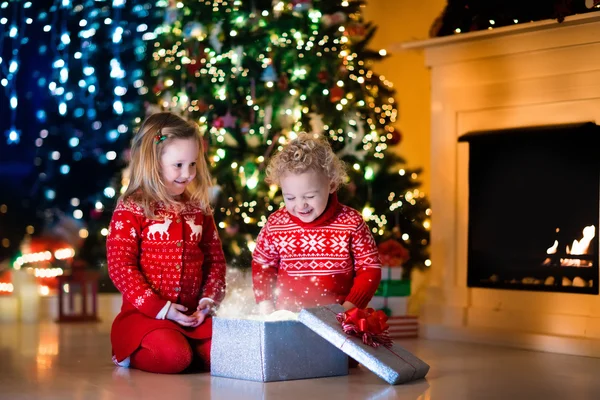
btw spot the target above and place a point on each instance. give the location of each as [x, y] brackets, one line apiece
[306, 194]
[178, 164]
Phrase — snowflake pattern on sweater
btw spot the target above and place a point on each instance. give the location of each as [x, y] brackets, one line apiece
[177, 257]
[301, 265]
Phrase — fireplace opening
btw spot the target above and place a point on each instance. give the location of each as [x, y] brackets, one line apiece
[534, 201]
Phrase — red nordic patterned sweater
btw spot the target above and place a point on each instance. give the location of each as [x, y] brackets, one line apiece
[330, 260]
[176, 258]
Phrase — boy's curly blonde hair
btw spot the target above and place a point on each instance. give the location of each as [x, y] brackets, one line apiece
[307, 151]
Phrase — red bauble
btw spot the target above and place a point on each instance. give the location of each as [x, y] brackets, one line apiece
[323, 76]
[158, 87]
[202, 106]
[356, 31]
[395, 139]
[219, 123]
[282, 82]
[193, 67]
[336, 93]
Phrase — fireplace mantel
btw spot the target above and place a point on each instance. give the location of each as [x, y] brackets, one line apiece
[540, 73]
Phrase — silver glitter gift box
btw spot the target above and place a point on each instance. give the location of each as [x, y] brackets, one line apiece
[272, 351]
[394, 365]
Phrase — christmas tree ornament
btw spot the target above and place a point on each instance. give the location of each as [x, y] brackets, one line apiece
[355, 31]
[337, 18]
[396, 137]
[215, 37]
[316, 123]
[228, 120]
[194, 30]
[283, 81]
[202, 106]
[245, 127]
[237, 57]
[269, 74]
[301, 5]
[229, 139]
[172, 13]
[336, 93]
[268, 117]
[159, 86]
[253, 140]
[323, 76]
[218, 123]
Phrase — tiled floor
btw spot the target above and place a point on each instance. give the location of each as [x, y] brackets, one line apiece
[70, 361]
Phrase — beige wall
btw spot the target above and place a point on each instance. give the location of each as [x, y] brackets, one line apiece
[403, 21]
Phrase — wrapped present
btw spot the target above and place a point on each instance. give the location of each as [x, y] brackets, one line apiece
[391, 273]
[393, 288]
[393, 253]
[403, 326]
[394, 364]
[272, 351]
[392, 306]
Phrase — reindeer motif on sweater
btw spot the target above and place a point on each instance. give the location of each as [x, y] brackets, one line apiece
[162, 229]
[196, 229]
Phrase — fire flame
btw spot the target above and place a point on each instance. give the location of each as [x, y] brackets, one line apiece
[578, 248]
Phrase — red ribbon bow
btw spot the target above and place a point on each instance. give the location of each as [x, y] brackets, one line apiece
[368, 324]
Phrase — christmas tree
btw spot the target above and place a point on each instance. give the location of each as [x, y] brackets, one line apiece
[255, 73]
[79, 64]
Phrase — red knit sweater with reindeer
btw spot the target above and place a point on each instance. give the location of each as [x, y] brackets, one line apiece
[177, 257]
[330, 260]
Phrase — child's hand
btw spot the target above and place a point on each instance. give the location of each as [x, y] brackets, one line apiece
[204, 309]
[347, 305]
[266, 307]
[176, 314]
[204, 304]
[200, 316]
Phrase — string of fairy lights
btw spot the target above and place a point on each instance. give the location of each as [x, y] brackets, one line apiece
[16, 28]
[78, 48]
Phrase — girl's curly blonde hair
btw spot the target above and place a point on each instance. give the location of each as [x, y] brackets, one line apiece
[306, 152]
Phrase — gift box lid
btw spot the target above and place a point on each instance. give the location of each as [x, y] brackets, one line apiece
[395, 364]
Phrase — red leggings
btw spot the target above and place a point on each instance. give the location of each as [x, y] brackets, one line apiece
[167, 351]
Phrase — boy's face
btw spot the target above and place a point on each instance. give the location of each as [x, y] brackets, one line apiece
[178, 164]
[306, 194]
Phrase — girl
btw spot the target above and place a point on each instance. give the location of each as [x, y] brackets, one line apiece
[163, 251]
[315, 251]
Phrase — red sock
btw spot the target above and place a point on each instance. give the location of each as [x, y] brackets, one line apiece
[163, 351]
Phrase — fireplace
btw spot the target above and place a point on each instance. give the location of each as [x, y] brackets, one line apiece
[521, 100]
[534, 198]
